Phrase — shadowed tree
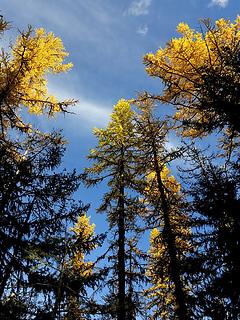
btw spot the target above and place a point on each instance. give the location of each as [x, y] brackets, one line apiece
[215, 193]
[36, 210]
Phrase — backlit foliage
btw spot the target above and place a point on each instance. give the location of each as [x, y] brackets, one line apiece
[170, 183]
[161, 293]
[114, 161]
[119, 128]
[23, 76]
[117, 135]
[84, 234]
[200, 71]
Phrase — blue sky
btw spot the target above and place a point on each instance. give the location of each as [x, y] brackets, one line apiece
[106, 41]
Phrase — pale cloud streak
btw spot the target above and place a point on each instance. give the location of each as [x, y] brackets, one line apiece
[92, 113]
[142, 30]
[220, 3]
[139, 7]
[86, 113]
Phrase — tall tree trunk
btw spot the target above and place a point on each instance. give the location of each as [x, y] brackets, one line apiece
[121, 310]
[131, 309]
[181, 308]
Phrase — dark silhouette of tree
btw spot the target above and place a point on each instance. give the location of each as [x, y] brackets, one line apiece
[214, 190]
[36, 212]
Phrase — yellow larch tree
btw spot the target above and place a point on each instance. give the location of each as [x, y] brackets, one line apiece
[78, 272]
[23, 76]
[162, 196]
[114, 161]
[200, 73]
[84, 234]
[161, 295]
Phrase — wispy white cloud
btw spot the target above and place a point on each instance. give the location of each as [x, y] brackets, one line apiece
[57, 16]
[92, 113]
[88, 113]
[139, 7]
[142, 30]
[220, 3]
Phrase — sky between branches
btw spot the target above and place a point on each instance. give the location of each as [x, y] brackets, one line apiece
[106, 41]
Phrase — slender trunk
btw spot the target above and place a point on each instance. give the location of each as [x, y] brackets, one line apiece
[131, 309]
[121, 311]
[181, 308]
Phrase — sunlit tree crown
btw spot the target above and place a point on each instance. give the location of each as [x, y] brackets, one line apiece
[195, 68]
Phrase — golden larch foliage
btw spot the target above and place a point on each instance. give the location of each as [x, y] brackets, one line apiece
[23, 76]
[84, 234]
[161, 293]
[184, 64]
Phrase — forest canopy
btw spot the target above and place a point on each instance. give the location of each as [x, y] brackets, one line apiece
[171, 250]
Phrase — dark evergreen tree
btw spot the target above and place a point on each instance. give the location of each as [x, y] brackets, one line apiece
[214, 189]
[36, 211]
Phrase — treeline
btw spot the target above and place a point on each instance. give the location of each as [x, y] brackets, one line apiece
[191, 267]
